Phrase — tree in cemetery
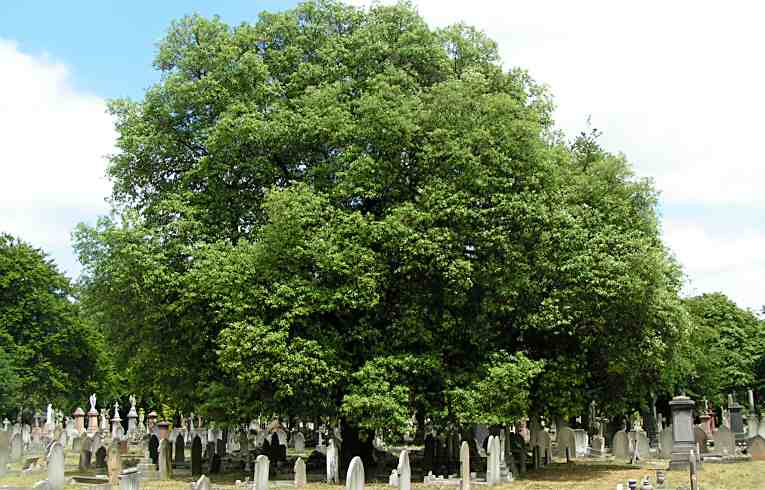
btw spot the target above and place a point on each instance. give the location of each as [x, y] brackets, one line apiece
[48, 354]
[727, 349]
[344, 213]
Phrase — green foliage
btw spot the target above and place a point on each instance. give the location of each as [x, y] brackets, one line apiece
[341, 212]
[47, 352]
[727, 347]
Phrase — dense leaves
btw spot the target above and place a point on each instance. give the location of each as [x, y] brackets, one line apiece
[48, 354]
[336, 212]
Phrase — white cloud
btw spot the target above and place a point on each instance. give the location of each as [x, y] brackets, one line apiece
[676, 86]
[52, 164]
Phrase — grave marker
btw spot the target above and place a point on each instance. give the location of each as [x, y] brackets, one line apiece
[300, 476]
[196, 456]
[165, 460]
[404, 471]
[260, 478]
[56, 480]
[354, 480]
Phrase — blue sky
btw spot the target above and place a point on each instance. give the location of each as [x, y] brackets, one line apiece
[675, 86]
[109, 44]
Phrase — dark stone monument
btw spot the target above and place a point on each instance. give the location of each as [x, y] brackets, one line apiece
[196, 456]
[101, 457]
[683, 440]
[180, 450]
[430, 452]
[154, 449]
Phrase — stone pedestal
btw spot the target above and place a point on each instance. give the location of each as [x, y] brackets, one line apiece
[93, 421]
[683, 441]
[164, 430]
[79, 420]
[737, 421]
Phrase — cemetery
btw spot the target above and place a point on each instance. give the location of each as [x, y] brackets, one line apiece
[346, 246]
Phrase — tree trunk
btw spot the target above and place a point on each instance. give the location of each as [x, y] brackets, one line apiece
[355, 443]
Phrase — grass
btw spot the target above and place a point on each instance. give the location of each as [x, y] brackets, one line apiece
[580, 475]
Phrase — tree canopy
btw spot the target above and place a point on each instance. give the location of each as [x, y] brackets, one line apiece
[337, 212]
[47, 352]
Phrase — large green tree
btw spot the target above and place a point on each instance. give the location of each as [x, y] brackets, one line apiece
[345, 213]
[48, 353]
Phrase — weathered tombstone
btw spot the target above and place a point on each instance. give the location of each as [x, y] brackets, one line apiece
[300, 476]
[465, 466]
[354, 479]
[700, 437]
[694, 474]
[492, 461]
[566, 440]
[299, 441]
[761, 428]
[725, 442]
[76, 442]
[260, 478]
[757, 448]
[115, 462]
[203, 483]
[332, 462]
[165, 460]
[85, 453]
[404, 471]
[598, 446]
[154, 449]
[620, 445]
[101, 457]
[196, 456]
[640, 441]
[665, 441]
[130, 479]
[180, 450]
[56, 480]
[16, 447]
[5, 449]
[682, 431]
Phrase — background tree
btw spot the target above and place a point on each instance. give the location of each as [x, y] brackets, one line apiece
[48, 353]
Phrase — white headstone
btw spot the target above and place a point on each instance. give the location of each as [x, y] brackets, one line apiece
[300, 476]
[393, 478]
[621, 446]
[5, 450]
[465, 466]
[332, 463]
[203, 483]
[56, 480]
[260, 479]
[299, 441]
[354, 480]
[492, 461]
[404, 471]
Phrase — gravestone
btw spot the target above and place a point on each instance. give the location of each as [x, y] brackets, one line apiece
[465, 466]
[598, 447]
[725, 442]
[114, 463]
[76, 442]
[582, 440]
[180, 450]
[620, 446]
[154, 449]
[5, 450]
[130, 479]
[354, 479]
[196, 456]
[299, 442]
[640, 439]
[404, 471]
[332, 462]
[165, 460]
[203, 483]
[683, 441]
[700, 437]
[566, 440]
[56, 480]
[101, 457]
[757, 448]
[665, 440]
[492, 461]
[300, 476]
[85, 453]
[260, 478]
[16, 447]
[761, 429]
